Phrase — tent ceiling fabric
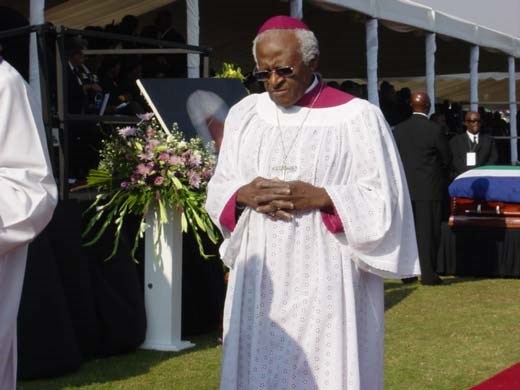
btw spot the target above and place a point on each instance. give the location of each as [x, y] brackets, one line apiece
[491, 92]
[82, 13]
[339, 26]
[426, 18]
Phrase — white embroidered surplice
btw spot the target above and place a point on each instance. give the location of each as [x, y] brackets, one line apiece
[27, 199]
[304, 307]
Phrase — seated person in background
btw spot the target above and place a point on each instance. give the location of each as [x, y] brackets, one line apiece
[129, 91]
[351, 87]
[333, 84]
[472, 149]
[167, 65]
[84, 95]
[129, 25]
[82, 84]
[109, 80]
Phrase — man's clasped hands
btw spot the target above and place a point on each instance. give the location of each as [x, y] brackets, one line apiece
[281, 199]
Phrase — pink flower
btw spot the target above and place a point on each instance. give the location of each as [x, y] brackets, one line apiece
[124, 184]
[194, 179]
[150, 132]
[164, 156]
[127, 131]
[152, 144]
[195, 160]
[176, 160]
[158, 180]
[142, 169]
[145, 156]
[206, 174]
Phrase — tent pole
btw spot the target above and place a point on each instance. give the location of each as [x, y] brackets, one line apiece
[193, 34]
[473, 67]
[513, 110]
[36, 17]
[372, 49]
[431, 48]
[297, 9]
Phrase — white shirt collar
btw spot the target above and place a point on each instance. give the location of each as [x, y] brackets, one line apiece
[471, 136]
[313, 84]
[420, 113]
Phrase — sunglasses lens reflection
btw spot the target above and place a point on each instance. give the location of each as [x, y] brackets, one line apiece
[263, 75]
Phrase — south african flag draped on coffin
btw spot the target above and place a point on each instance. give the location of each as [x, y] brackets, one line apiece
[487, 196]
[491, 183]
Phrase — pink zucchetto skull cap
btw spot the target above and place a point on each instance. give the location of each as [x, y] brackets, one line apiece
[282, 22]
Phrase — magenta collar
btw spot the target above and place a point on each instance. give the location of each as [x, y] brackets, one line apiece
[329, 97]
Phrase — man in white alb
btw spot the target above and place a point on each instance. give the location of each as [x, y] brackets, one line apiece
[311, 198]
[27, 199]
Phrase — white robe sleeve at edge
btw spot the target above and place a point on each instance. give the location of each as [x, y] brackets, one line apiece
[373, 202]
[27, 189]
[226, 180]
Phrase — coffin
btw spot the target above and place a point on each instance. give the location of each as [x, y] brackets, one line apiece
[474, 212]
[487, 197]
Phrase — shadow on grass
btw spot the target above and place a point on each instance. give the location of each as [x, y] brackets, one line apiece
[462, 279]
[115, 368]
[395, 292]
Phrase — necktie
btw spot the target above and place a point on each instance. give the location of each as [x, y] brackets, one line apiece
[473, 142]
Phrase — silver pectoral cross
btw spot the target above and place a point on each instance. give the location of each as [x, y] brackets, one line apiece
[285, 168]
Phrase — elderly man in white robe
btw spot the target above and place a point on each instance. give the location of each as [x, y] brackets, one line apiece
[27, 200]
[311, 199]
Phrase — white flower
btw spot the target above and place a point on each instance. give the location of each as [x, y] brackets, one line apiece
[182, 144]
[145, 117]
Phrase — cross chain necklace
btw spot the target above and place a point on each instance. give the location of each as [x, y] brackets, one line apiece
[284, 168]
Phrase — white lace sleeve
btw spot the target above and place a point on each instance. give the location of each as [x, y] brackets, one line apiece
[226, 180]
[372, 199]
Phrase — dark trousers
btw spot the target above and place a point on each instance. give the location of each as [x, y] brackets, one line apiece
[427, 217]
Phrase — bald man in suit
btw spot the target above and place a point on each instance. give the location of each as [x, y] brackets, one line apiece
[426, 160]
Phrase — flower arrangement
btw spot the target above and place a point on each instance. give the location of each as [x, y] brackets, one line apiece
[146, 168]
[230, 71]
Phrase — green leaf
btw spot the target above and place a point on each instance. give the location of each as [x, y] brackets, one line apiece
[163, 214]
[184, 223]
[177, 183]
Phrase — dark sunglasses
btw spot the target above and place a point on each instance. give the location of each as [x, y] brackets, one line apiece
[282, 71]
[473, 120]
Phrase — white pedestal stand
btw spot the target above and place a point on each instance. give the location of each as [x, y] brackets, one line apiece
[163, 284]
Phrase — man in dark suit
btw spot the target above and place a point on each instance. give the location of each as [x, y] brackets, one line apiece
[426, 160]
[472, 149]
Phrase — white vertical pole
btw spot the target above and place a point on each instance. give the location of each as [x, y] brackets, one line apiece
[513, 110]
[473, 68]
[36, 17]
[431, 48]
[193, 35]
[372, 43]
[297, 9]
[163, 283]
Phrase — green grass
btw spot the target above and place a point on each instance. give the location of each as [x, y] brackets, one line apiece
[446, 337]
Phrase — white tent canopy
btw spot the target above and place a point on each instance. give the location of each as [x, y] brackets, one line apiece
[80, 13]
[429, 19]
[228, 34]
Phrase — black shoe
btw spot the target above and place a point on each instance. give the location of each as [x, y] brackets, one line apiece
[410, 280]
[434, 282]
